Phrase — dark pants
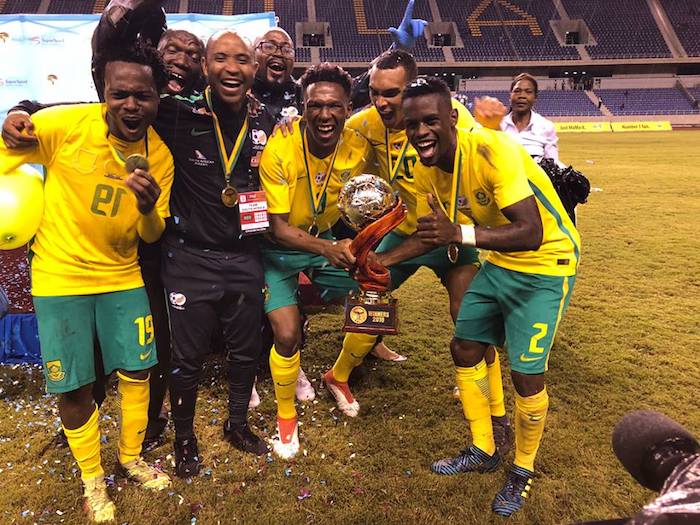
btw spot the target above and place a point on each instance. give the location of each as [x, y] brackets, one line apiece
[206, 289]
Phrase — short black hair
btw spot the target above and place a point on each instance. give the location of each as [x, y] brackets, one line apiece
[182, 35]
[425, 85]
[395, 58]
[138, 52]
[326, 72]
[524, 76]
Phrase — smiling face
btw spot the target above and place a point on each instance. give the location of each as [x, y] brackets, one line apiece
[230, 68]
[274, 52]
[131, 98]
[385, 89]
[182, 53]
[430, 127]
[326, 107]
[523, 96]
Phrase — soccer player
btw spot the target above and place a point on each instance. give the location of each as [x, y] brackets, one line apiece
[519, 295]
[86, 281]
[302, 174]
[383, 126]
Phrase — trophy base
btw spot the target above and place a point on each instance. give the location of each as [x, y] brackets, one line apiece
[371, 313]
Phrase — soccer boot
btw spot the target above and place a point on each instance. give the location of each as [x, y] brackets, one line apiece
[470, 459]
[145, 475]
[304, 391]
[96, 502]
[515, 491]
[347, 404]
[244, 439]
[286, 442]
[187, 462]
[383, 352]
[502, 434]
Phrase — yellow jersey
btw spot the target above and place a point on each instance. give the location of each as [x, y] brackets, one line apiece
[87, 239]
[396, 157]
[289, 174]
[492, 173]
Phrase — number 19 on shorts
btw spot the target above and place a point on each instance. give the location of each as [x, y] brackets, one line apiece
[145, 327]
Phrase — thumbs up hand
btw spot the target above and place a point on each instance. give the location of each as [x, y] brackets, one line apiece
[437, 229]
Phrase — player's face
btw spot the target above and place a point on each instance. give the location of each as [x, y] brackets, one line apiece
[522, 96]
[326, 107]
[430, 122]
[385, 89]
[183, 56]
[275, 56]
[131, 98]
[230, 68]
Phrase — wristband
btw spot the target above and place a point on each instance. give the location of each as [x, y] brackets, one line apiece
[468, 234]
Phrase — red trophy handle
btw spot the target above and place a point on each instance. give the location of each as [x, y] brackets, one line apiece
[373, 276]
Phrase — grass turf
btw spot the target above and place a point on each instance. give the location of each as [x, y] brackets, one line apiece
[629, 341]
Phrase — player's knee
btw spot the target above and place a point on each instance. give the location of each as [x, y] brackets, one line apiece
[139, 375]
[467, 353]
[527, 385]
[80, 396]
[287, 340]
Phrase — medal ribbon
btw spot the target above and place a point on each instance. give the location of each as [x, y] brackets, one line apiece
[227, 162]
[456, 180]
[316, 198]
[394, 169]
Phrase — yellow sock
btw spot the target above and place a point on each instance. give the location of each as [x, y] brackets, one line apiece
[474, 394]
[355, 348]
[133, 402]
[530, 414]
[84, 443]
[498, 408]
[284, 372]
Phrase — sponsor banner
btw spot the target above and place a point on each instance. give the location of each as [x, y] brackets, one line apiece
[652, 125]
[582, 127]
[48, 57]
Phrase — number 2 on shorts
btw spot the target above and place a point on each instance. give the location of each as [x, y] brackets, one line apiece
[145, 325]
[534, 349]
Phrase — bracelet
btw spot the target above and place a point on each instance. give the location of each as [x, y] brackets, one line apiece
[468, 234]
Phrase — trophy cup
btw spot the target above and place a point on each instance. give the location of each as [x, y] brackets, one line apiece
[368, 205]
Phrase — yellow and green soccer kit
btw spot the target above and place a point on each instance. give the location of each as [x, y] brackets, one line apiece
[396, 158]
[517, 297]
[84, 254]
[291, 177]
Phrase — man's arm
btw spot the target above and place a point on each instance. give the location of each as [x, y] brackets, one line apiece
[337, 252]
[411, 247]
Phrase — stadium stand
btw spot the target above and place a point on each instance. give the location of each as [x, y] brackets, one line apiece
[212, 7]
[20, 6]
[287, 12]
[70, 7]
[621, 29]
[549, 102]
[358, 28]
[660, 101]
[506, 30]
[685, 17]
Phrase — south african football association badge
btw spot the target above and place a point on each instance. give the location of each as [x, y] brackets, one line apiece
[55, 371]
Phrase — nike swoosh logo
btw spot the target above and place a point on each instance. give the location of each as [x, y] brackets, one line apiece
[200, 132]
[143, 357]
[529, 359]
[287, 384]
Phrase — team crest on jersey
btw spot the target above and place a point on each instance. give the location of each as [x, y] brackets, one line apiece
[259, 137]
[320, 177]
[289, 112]
[481, 198]
[177, 300]
[266, 293]
[55, 371]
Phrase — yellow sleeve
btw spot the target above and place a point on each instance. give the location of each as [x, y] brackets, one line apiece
[355, 122]
[50, 128]
[465, 120]
[273, 177]
[166, 184]
[502, 168]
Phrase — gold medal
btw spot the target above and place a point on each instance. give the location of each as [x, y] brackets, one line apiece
[453, 253]
[229, 196]
[136, 161]
[313, 229]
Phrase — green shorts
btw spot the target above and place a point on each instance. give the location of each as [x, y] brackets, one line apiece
[522, 310]
[435, 259]
[68, 325]
[282, 269]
